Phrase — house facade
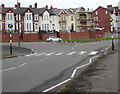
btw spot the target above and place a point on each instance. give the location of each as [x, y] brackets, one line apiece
[101, 18]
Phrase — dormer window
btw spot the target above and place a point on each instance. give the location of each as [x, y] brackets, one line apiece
[9, 16]
[28, 16]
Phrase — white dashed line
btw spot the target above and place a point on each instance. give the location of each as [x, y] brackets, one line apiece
[71, 53]
[82, 52]
[93, 53]
[50, 53]
[59, 53]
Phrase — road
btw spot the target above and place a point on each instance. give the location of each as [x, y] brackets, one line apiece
[52, 63]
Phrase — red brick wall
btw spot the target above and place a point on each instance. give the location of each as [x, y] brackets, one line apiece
[32, 37]
[6, 37]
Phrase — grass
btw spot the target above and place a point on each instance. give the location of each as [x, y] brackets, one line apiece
[88, 40]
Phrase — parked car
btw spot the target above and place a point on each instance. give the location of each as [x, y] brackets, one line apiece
[53, 38]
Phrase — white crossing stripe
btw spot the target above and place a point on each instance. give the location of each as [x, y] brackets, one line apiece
[93, 53]
[40, 54]
[71, 53]
[50, 53]
[31, 54]
[59, 53]
[82, 52]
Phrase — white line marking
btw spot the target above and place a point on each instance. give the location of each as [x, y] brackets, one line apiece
[14, 67]
[93, 53]
[73, 74]
[40, 54]
[56, 85]
[71, 53]
[82, 52]
[59, 53]
[31, 54]
[50, 53]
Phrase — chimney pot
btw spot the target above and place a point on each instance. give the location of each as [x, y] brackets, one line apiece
[30, 6]
[109, 6]
[35, 5]
[46, 6]
[18, 5]
[2, 5]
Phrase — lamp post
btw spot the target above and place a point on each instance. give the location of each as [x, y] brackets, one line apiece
[18, 25]
[10, 26]
[69, 34]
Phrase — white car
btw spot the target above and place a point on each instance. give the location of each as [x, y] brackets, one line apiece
[53, 38]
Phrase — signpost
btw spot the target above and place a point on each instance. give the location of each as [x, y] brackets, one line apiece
[10, 26]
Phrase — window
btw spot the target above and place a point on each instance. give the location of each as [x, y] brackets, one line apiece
[9, 16]
[28, 26]
[17, 17]
[106, 12]
[36, 17]
[96, 13]
[71, 18]
[63, 17]
[63, 27]
[28, 16]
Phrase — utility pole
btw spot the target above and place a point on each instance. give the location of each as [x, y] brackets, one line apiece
[18, 24]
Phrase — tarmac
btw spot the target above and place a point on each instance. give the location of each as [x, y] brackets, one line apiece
[16, 51]
[100, 77]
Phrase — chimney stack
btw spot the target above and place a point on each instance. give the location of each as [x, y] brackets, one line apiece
[35, 5]
[2, 5]
[18, 5]
[51, 7]
[30, 6]
[46, 6]
[15, 6]
[109, 6]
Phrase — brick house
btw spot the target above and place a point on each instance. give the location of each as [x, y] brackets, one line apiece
[101, 18]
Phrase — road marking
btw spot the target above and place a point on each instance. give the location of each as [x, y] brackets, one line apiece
[13, 67]
[93, 53]
[40, 54]
[50, 53]
[59, 53]
[71, 53]
[73, 74]
[56, 85]
[31, 54]
[82, 52]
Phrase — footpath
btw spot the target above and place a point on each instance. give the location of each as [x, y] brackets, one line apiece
[16, 51]
[99, 78]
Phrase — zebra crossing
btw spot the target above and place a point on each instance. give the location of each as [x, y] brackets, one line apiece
[63, 53]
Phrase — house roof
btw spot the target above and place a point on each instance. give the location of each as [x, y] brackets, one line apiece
[22, 10]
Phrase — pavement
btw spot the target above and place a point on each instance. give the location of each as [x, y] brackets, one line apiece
[101, 76]
[16, 51]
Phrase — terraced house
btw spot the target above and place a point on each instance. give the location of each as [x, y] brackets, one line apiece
[33, 23]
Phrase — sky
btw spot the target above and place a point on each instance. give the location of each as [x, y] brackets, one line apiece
[92, 4]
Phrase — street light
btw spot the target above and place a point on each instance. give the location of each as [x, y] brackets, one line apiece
[18, 25]
[69, 34]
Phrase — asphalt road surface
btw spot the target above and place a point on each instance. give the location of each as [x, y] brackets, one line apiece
[52, 63]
